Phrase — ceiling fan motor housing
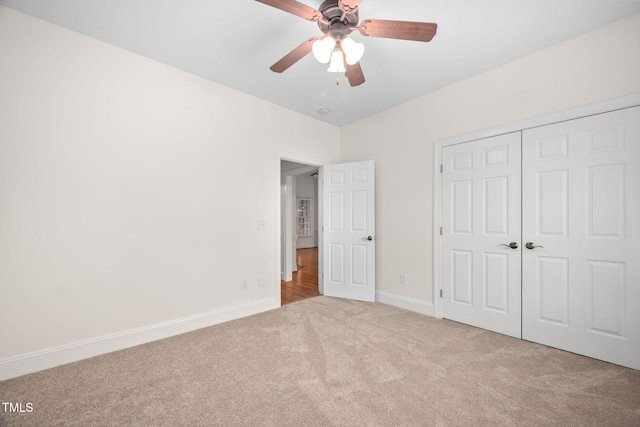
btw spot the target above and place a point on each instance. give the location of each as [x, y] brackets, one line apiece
[337, 27]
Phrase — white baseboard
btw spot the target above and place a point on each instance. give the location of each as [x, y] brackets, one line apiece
[48, 358]
[406, 303]
[306, 246]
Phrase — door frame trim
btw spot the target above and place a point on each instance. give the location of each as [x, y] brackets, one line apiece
[600, 107]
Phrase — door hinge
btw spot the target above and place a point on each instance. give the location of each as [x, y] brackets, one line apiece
[441, 168]
[440, 293]
[441, 231]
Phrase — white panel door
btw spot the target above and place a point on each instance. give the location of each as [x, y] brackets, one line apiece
[581, 215]
[481, 234]
[348, 238]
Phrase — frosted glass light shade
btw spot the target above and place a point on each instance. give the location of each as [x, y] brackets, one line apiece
[352, 50]
[322, 49]
[337, 62]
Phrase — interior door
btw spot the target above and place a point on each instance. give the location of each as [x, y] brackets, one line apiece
[581, 210]
[481, 250]
[348, 230]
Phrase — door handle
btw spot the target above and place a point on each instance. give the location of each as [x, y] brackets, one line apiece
[530, 245]
[369, 238]
[512, 245]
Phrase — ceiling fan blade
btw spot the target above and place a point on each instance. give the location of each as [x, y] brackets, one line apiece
[354, 74]
[294, 56]
[295, 7]
[404, 30]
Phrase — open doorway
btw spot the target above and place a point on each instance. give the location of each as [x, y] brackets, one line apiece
[304, 281]
[299, 231]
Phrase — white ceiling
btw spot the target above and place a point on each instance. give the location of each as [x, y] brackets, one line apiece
[235, 42]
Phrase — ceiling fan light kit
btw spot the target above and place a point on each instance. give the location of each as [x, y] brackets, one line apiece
[322, 49]
[337, 19]
[353, 51]
[337, 62]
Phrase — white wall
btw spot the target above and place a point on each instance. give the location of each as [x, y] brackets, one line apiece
[599, 65]
[119, 181]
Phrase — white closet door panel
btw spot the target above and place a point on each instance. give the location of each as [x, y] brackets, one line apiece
[481, 216]
[581, 205]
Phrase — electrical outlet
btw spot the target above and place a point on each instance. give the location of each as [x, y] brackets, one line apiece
[260, 282]
[262, 224]
[244, 285]
[403, 279]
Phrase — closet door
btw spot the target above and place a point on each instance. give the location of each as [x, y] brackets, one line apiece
[481, 248]
[581, 217]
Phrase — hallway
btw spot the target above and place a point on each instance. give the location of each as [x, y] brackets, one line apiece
[305, 281]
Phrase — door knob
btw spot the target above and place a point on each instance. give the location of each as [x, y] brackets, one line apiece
[530, 245]
[512, 245]
[369, 238]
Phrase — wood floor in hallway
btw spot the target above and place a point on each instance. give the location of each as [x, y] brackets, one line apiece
[305, 281]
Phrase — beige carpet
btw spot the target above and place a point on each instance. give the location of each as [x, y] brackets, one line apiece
[327, 361]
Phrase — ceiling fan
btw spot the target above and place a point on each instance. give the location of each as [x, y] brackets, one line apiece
[337, 19]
